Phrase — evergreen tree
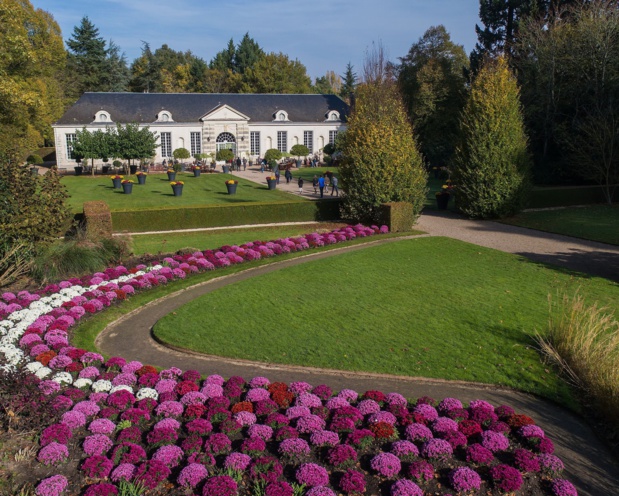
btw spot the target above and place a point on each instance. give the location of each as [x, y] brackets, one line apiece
[86, 58]
[433, 83]
[116, 75]
[491, 162]
[349, 83]
[224, 60]
[145, 72]
[276, 73]
[381, 162]
[329, 84]
[246, 55]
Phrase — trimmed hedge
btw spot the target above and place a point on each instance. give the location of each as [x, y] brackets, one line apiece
[165, 219]
[97, 220]
[398, 216]
[564, 196]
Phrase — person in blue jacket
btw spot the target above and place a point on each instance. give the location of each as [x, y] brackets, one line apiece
[321, 185]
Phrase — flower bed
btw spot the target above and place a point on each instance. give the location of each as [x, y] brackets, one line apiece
[173, 432]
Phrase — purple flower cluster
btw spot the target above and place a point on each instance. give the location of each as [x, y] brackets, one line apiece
[405, 487]
[312, 475]
[386, 464]
[464, 479]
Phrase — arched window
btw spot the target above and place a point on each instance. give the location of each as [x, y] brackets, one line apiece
[226, 140]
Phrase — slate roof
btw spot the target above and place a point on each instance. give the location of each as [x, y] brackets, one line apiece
[189, 107]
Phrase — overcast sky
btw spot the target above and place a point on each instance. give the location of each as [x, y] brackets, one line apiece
[322, 34]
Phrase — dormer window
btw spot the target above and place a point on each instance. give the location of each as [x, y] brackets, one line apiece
[103, 116]
[164, 116]
[281, 115]
[333, 115]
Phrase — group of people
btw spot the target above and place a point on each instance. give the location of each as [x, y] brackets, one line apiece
[320, 183]
[238, 163]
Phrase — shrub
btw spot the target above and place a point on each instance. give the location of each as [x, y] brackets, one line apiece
[34, 159]
[97, 220]
[299, 150]
[399, 216]
[380, 161]
[225, 154]
[491, 162]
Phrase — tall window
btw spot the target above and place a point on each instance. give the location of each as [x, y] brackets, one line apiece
[282, 141]
[332, 136]
[308, 140]
[196, 143]
[70, 140]
[254, 141]
[166, 145]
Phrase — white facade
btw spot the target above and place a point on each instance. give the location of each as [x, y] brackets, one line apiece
[223, 127]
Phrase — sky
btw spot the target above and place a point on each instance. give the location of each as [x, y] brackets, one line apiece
[322, 34]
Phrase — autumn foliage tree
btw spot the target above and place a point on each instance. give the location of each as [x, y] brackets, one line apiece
[492, 163]
[381, 162]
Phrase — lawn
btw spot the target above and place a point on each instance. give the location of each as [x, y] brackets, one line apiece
[430, 307]
[157, 192]
[594, 222]
[208, 240]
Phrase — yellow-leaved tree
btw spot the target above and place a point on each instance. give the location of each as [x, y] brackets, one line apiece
[31, 96]
[381, 162]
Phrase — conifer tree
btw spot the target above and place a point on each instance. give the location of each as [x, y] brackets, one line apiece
[491, 162]
[349, 83]
[86, 58]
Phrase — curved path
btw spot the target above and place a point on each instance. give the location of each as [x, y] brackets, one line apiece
[589, 464]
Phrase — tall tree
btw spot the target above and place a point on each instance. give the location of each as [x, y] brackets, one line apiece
[433, 83]
[145, 72]
[329, 84]
[246, 55]
[31, 65]
[86, 59]
[491, 162]
[224, 60]
[381, 162]
[116, 74]
[569, 68]
[133, 143]
[349, 83]
[276, 73]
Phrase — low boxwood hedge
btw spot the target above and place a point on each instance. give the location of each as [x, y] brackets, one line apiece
[164, 219]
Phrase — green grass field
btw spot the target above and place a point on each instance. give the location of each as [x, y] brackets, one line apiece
[207, 240]
[157, 192]
[430, 307]
[594, 222]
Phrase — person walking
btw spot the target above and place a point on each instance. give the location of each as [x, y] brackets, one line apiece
[315, 184]
[334, 186]
[276, 175]
[321, 185]
[300, 183]
[238, 164]
[244, 164]
[288, 175]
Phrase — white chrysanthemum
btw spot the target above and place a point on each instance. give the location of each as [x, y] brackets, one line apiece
[43, 372]
[63, 378]
[34, 366]
[147, 393]
[82, 382]
[121, 386]
[101, 386]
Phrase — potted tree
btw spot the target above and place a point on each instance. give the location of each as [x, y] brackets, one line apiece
[32, 161]
[181, 154]
[226, 155]
[299, 151]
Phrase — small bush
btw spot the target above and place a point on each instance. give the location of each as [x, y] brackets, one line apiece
[399, 216]
[97, 220]
[76, 257]
[272, 154]
[225, 154]
[34, 159]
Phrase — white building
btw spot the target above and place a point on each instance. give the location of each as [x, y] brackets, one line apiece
[249, 124]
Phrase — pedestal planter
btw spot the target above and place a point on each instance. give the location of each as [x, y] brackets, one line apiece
[133, 169]
[78, 170]
[141, 178]
[117, 182]
[196, 173]
[442, 201]
[127, 188]
[231, 188]
[177, 189]
[272, 183]
[171, 176]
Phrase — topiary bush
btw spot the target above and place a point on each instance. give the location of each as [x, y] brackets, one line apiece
[225, 154]
[34, 159]
[380, 162]
[272, 154]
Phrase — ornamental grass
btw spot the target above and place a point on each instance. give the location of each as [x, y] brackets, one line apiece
[583, 340]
